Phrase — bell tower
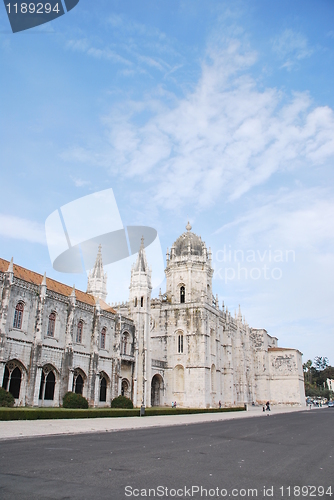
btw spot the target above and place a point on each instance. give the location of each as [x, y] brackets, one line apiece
[97, 278]
[140, 309]
[189, 271]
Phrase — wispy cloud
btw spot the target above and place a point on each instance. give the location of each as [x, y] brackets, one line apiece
[22, 229]
[139, 47]
[80, 182]
[223, 138]
[299, 218]
[86, 46]
[291, 47]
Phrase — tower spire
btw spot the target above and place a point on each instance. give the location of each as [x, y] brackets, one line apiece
[141, 263]
[97, 278]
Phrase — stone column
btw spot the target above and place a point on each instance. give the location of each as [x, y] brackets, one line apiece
[97, 390]
[56, 397]
[70, 381]
[2, 371]
[23, 389]
[119, 385]
[37, 385]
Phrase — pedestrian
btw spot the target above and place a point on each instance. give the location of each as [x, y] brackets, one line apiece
[267, 406]
[220, 404]
[172, 404]
[263, 408]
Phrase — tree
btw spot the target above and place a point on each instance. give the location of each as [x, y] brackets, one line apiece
[320, 363]
[307, 371]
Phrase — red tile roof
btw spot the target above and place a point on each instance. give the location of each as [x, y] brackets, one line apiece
[53, 285]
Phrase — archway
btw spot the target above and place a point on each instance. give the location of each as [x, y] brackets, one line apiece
[156, 390]
[48, 382]
[125, 390]
[79, 379]
[12, 378]
[15, 382]
[103, 389]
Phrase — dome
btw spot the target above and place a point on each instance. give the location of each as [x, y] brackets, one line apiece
[188, 239]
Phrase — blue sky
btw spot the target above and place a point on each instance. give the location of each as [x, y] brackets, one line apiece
[216, 111]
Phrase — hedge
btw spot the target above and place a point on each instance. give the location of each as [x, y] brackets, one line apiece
[64, 413]
[73, 400]
[122, 402]
[6, 398]
[188, 411]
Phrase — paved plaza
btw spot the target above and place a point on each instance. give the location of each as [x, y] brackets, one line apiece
[34, 428]
[240, 455]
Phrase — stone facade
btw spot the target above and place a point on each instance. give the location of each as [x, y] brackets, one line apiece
[63, 340]
[181, 346]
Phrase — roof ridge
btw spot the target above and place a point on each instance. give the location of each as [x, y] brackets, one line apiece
[37, 278]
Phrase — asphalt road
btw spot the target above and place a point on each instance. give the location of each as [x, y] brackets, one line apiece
[246, 458]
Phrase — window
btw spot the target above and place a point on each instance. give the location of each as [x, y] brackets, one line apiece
[12, 379]
[182, 295]
[47, 387]
[78, 381]
[125, 389]
[18, 315]
[141, 301]
[124, 343]
[103, 339]
[51, 325]
[6, 377]
[180, 343]
[103, 389]
[78, 385]
[136, 301]
[79, 332]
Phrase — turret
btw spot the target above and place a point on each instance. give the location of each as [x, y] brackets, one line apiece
[97, 279]
[188, 270]
[140, 309]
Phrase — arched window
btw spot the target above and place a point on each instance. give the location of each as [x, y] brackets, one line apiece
[141, 301]
[79, 378]
[47, 387]
[180, 343]
[51, 325]
[6, 376]
[15, 382]
[50, 386]
[41, 387]
[18, 316]
[103, 389]
[136, 301]
[124, 343]
[103, 339]
[79, 332]
[12, 379]
[125, 390]
[78, 388]
[182, 294]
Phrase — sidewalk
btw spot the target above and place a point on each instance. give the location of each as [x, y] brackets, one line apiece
[33, 428]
